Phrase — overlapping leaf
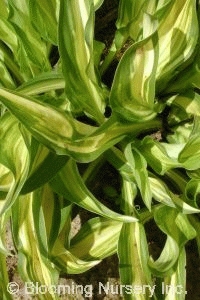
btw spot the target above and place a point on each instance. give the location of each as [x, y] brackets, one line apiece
[60, 132]
[69, 184]
[42, 83]
[139, 169]
[177, 281]
[130, 15]
[177, 38]
[179, 231]
[83, 87]
[133, 259]
[44, 165]
[43, 14]
[32, 51]
[164, 195]
[14, 156]
[189, 156]
[132, 250]
[51, 215]
[11, 74]
[6, 79]
[161, 156]
[41, 248]
[189, 102]
[69, 263]
[133, 90]
[97, 239]
[33, 265]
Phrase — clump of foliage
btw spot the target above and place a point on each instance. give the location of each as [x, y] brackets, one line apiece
[56, 132]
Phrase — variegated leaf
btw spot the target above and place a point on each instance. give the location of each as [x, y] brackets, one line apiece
[177, 38]
[42, 14]
[178, 230]
[83, 87]
[33, 266]
[69, 184]
[133, 91]
[14, 156]
[97, 239]
[60, 132]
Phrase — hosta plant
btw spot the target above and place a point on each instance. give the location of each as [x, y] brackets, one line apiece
[62, 126]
